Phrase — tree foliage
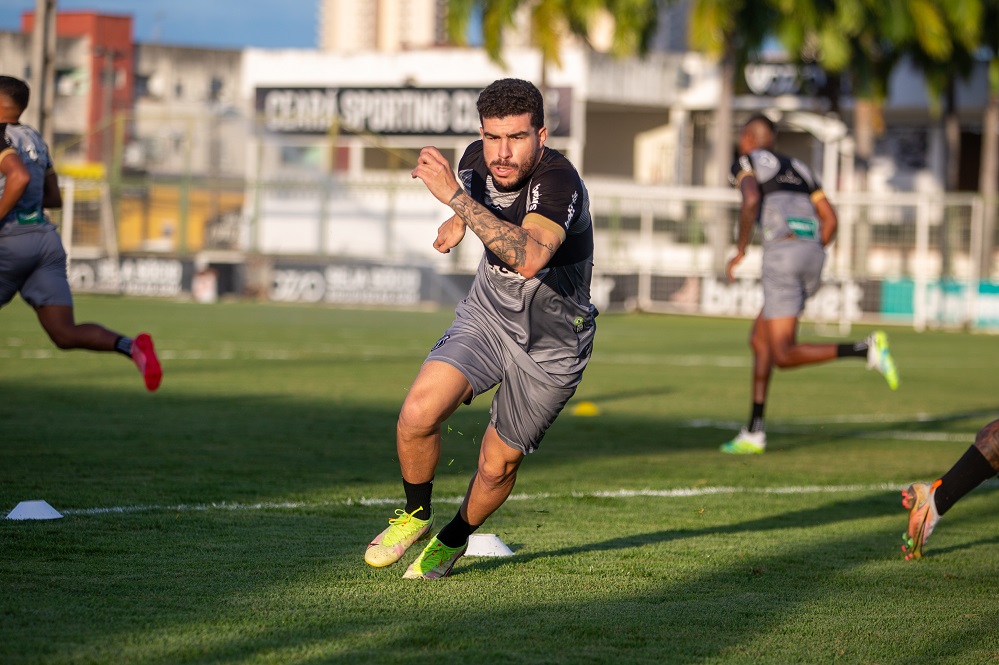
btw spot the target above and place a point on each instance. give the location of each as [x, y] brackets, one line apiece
[551, 21]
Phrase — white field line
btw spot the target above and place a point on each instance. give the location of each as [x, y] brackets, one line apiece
[805, 426]
[14, 348]
[278, 354]
[386, 501]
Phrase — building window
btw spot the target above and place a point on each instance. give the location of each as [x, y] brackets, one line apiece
[310, 157]
[215, 89]
[69, 82]
[142, 86]
[391, 158]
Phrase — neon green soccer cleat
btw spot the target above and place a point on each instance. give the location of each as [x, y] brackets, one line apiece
[746, 443]
[879, 358]
[436, 560]
[404, 530]
[923, 517]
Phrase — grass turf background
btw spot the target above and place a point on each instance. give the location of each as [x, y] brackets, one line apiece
[242, 487]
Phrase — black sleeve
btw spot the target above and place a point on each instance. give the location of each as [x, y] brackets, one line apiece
[556, 194]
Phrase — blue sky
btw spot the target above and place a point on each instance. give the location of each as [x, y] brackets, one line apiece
[210, 23]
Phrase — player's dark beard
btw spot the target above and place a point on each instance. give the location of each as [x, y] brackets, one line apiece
[523, 173]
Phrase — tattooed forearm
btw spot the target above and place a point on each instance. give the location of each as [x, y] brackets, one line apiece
[548, 247]
[505, 240]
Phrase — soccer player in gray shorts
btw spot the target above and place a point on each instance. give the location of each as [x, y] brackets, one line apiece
[783, 197]
[32, 258]
[526, 325]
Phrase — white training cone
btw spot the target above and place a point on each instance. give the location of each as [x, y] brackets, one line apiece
[34, 510]
[486, 544]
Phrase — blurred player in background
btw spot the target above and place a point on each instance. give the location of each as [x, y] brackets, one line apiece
[527, 323]
[927, 502]
[32, 257]
[781, 195]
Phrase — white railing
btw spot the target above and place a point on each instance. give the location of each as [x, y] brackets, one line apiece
[923, 250]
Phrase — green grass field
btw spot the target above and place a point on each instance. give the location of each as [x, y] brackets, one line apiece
[223, 519]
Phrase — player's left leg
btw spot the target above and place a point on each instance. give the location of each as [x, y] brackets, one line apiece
[490, 486]
[787, 352]
[494, 478]
[524, 407]
[46, 289]
[59, 323]
[752, 439]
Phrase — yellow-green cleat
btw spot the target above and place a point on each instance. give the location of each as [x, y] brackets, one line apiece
[404, 530]
[880, 358]
[746, 443]
[436, 560]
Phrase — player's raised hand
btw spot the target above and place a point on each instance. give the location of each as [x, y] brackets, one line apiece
[449, 234]
[436, 173]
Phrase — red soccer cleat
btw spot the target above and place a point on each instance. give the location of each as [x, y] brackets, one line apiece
[144, 357]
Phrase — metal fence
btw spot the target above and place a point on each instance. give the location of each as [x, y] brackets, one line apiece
[922, 259]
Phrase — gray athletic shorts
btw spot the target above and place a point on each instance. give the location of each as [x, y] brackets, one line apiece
[791, 271]
[34, 263]
[527, 400]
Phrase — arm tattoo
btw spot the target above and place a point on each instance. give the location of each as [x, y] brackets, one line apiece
[507, 241]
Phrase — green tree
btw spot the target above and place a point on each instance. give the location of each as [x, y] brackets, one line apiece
[863, 40]
[853, 38]
[550, 22]
[730, 32]
[946, 34]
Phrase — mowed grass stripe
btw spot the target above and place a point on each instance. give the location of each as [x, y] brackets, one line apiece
[683, 492]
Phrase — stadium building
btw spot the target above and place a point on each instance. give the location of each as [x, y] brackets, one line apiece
[285, 173]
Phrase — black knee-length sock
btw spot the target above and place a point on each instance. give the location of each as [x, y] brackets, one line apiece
[456, 532]
[968, 473]
[418, 498]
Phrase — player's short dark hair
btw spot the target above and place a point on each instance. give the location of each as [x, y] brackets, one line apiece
[507, 97]
[764, 120]
[16, 89]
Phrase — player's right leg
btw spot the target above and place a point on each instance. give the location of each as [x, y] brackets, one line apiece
[436, 393]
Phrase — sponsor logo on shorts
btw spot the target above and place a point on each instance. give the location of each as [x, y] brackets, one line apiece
[440, 342]
[578, 324]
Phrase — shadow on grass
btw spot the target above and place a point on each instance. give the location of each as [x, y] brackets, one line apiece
[838, 511]
[185, 588]
[85, 448]
[922, 423]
